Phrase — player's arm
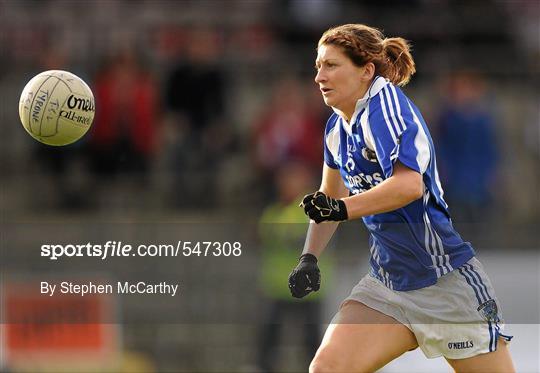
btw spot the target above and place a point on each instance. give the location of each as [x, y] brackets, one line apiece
[319, 235]
[403, 187]
[306, 277]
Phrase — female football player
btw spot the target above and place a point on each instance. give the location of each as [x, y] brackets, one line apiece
[425, 288]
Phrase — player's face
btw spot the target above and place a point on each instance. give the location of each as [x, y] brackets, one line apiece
[341, 82]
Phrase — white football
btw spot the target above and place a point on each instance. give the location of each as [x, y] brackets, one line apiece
[56, 107]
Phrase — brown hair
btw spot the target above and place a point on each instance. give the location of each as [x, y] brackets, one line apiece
[362, 44]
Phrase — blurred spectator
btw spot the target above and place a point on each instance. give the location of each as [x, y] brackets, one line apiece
[195, 101]
[287, 129]
[122, 138]
[282, 230]
[196, 84]
[468, 148]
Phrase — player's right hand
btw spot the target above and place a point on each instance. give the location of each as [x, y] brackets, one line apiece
[306, 277]
[320, 207]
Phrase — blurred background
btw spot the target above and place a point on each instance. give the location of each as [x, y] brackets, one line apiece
[207, 112]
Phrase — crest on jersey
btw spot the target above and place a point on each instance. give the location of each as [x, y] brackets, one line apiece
[350, 165]
[369, 155]
[488, 311]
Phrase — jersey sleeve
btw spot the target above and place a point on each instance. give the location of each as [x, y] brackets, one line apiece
[396, 132]
[331, 142]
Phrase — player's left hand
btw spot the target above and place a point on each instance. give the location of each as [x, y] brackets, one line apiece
[319, 207]
[306, 277]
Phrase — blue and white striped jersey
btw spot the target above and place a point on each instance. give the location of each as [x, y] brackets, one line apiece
[412, 246]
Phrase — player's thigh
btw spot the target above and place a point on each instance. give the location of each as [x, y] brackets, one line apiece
[361, 339]
[492, 362]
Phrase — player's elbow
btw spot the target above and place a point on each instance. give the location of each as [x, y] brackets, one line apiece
[410, 183]
[414, 189]
[418, 192]
[411, 188]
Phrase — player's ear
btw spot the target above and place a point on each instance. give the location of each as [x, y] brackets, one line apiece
[368, 71]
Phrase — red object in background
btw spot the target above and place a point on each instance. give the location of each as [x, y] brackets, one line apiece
[126, 99]
[289, 129]
[67, 329]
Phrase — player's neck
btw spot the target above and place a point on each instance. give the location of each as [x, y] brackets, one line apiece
[343, 114]
[347, 112]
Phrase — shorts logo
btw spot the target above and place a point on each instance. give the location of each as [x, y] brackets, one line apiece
[488, 311]
[460, 345]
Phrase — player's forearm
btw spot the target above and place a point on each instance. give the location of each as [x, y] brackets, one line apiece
[392, 194]
[318, 236]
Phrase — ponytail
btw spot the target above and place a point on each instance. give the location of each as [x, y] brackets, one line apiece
[362, 44]
[399, 66]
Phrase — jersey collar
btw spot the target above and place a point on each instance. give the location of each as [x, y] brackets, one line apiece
[376, 85]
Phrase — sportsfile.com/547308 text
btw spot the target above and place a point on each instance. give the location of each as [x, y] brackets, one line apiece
[112, 249]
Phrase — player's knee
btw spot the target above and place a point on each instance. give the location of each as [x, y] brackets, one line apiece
[325, 362]
[321, 367]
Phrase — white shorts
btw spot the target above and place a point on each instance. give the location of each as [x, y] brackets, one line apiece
[458, 317]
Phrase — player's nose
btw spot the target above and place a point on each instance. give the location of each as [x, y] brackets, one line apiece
[320, 76]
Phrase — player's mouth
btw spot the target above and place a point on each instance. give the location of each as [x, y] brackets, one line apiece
[325, 90]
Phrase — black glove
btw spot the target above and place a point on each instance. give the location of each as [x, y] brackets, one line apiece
[319, 207]
[306, 277]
